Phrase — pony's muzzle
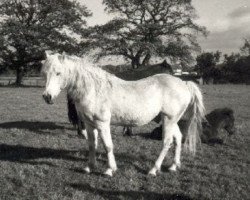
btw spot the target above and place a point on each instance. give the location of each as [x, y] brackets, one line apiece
[47, 98]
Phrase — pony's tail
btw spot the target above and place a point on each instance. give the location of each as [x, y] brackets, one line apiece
[72, 113]
[196, 113]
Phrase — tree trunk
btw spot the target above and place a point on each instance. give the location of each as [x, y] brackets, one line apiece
[145, 61]
[135, 62]
[19, 76]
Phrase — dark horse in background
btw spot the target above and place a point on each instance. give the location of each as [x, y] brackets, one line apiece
[217, 121]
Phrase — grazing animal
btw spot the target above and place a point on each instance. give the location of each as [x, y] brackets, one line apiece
[218, 120]
[102, 99]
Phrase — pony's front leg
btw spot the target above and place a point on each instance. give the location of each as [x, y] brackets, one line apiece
[108, 144]
[93, 143]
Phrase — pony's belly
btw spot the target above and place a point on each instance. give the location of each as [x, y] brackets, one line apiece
[128, 122]
[133, 118]
[137, 110]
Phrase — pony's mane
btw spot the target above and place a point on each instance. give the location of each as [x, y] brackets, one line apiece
[84, 75]
[85, 64]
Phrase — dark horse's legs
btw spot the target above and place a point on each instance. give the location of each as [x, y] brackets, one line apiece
[74, 118]
[80, 127]
[127, 130]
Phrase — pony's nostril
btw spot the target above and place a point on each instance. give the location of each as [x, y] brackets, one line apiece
[49, 97]
[44, 96]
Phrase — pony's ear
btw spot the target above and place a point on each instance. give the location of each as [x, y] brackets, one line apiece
[61, 57]
[48, 53]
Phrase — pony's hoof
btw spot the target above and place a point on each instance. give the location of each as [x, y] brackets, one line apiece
[108, 172]
[87, 170]
[84, 134]
[152, 172]
[174, 167]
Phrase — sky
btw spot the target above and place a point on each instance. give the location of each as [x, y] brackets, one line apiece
[228, 22]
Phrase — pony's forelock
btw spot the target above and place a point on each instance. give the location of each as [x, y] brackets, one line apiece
[47, 64]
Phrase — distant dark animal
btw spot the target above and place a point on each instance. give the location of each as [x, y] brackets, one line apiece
[216, 121]
[145, 71]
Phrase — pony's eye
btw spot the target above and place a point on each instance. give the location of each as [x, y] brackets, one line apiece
[58, 73]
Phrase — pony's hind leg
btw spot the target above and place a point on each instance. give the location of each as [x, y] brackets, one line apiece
[108, 144]
[168, 129]
[93, 143]
[177, 156]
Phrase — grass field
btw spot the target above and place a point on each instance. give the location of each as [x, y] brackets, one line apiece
[41, 156]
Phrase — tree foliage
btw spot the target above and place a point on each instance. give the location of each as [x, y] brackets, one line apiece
[143, 28]
[245, 49]
[28, 27]
[206, 64]
[234, 68]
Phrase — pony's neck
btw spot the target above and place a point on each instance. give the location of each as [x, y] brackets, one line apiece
[84, 78]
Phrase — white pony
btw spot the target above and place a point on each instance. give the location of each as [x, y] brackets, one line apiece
[103, 99]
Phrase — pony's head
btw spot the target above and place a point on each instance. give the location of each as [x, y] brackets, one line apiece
[55, 73]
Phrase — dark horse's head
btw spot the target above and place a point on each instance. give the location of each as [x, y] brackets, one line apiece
[222, 118]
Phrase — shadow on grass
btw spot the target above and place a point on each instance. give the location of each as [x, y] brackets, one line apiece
[20, 86]
[116, 194]
[151, 136]
[24, 154]
[39, 127]
[145, 135]
[122, 160]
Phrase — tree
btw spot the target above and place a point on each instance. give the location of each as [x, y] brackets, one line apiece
[28, 27]
[143, 28]
[206, 64]
[245, 49]
[237, 66]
